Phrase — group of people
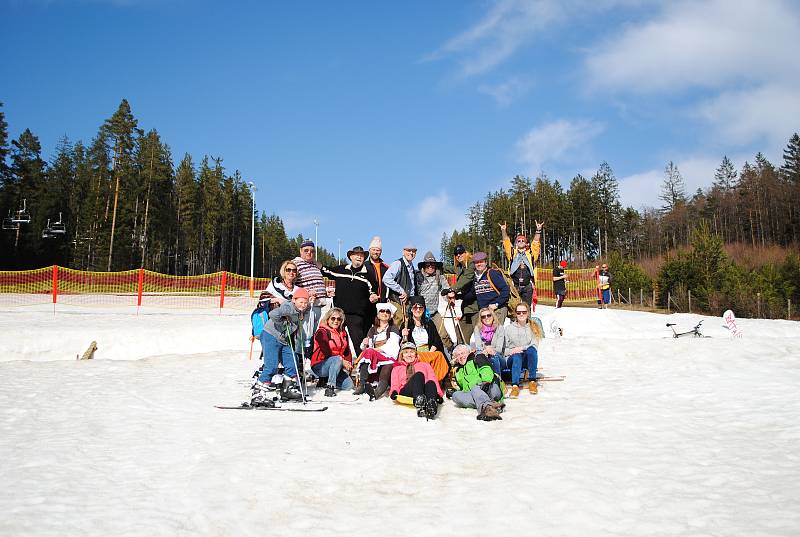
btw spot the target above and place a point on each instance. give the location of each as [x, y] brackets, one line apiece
[379, 329]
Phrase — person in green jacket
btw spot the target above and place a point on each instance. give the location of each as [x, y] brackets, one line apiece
[464, 269]
[478, 385]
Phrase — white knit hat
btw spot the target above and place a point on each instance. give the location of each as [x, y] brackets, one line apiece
[375, 243]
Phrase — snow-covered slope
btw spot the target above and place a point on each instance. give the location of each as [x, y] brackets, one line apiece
[647, 436]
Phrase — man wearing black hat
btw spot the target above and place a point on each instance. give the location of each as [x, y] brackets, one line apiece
[430, 284]
[464, 270]
[353, 293]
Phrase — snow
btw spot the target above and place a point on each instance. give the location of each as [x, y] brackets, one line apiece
[648, 435]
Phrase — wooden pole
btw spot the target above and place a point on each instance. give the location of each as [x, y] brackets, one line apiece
[689, 293]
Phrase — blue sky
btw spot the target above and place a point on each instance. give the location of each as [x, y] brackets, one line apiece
[391, 118]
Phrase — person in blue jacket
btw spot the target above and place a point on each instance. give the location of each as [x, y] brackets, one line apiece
[491, 289]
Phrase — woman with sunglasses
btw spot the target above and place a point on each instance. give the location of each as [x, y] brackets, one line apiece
[282, 287]
[483, 336]
[331, 357]
[421, 331]
[516, 346]
[380, 353]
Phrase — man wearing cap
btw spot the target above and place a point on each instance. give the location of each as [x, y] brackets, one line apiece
[464, 269]
[401, 281]
[491, 289]
[309, 277]
[376, 270]
[430, 284]
[560, 283]
[522, 259]
[280, 338]
[353, 292]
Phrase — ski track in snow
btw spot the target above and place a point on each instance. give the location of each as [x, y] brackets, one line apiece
[647, 436]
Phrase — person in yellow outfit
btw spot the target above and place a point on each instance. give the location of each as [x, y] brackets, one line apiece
[522, 260]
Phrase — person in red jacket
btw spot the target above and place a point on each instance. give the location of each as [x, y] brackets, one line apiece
[332, 357]
[415, 379]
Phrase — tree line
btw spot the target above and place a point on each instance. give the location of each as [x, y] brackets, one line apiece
[757, 205]
[123, 203]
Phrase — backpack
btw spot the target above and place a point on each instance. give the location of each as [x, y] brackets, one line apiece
[259, 318]
[514, 299]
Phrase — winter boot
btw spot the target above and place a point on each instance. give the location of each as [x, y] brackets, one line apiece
[369, 390]
[259, 387]
[489, 413]
[330, 391]
[382, 388]
[262, 399]
[500, 407]
[290, 391]
[360, 389]
[533, 387]
[431, 408]
[420, 402]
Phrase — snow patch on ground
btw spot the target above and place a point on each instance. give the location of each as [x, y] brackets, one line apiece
[647, 435]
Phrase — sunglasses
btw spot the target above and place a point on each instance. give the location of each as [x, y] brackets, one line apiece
[417, 307]
[522, 312]
[291, 270]
[486, 316]
[384, 311]
[336, 319]
[307, 250]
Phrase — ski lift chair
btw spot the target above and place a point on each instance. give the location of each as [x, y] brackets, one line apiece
[8, 224]
[22, 216]
[58, 228]
[47, 233]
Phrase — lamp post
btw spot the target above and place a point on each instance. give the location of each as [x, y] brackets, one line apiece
[339, 255]
[316, 232]
[252, 235]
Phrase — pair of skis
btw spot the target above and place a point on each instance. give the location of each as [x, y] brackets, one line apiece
[248, 406]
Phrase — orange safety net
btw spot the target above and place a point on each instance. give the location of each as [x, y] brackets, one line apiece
[26, 287]
[223, 290]
[581, 285]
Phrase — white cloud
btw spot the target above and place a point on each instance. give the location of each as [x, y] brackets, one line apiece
[553, 141]
[432, 216]
[707, 44]
[740, 117]
[508, 25]
[508, 91]
[642, 189]
[298, 222]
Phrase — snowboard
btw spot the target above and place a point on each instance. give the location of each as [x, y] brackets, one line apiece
[247, 406]
[730, 324]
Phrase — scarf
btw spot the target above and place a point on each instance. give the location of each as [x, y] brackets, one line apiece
[487, 332]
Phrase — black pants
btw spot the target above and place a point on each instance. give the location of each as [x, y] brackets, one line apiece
[355, 325]
[560, 300]
[416, 385]
[525, 293]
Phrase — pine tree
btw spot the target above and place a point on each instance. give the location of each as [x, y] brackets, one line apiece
[791, 160]
[606, 187]
[122, 130]
[725, 176]
[187, 241]
[673, 189]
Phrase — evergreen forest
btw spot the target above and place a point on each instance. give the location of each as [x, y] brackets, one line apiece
[122, 202]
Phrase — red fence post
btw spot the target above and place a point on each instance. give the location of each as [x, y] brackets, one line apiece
[222, 289]
[141, 285]
[55, 283]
